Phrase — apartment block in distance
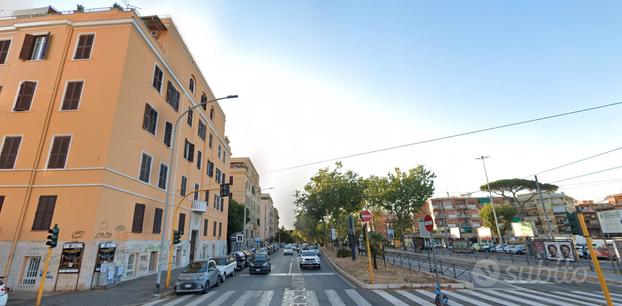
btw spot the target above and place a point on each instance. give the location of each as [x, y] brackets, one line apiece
[246, 191]
[87, 106]
[269, 216]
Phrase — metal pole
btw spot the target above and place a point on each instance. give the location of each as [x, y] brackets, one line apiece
[438, 284]
[494, 213]
[371, 270]
[601, 277]
[546, 214]
[44, 276]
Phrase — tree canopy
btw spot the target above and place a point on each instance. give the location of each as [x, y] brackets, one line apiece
[505, 213]
[510, 188]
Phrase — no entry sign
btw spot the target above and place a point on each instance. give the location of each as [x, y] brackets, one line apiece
[427, 222]
[365, 216]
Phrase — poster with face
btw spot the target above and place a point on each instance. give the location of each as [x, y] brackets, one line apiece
[559, 250]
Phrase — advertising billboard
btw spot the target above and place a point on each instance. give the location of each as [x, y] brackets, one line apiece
[484, 233]
[454, 232]
[559, 250]
[522, 229]
[610, 221]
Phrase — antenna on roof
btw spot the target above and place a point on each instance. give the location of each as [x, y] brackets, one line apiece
[130, 6]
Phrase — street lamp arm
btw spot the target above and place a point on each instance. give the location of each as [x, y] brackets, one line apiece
[202, 104]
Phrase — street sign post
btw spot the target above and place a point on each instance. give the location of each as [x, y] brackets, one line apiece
[365, 216]
[428, 225]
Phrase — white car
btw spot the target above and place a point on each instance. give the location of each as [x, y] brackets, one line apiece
[4, 296]
[288, 251]
[226, 265]
[309, 258]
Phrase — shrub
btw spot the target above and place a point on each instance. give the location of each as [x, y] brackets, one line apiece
[344, 253]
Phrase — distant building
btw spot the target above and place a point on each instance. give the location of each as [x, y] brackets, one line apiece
[457, 212]
[246, 191]
[557, 206]
[614, 198]
[590, 214]
[267, 228]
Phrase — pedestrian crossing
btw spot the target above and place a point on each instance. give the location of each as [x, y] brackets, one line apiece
[365, 297]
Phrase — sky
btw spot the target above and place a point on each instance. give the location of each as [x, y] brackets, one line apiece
[323, 79]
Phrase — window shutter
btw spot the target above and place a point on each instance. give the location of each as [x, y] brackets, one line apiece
[25, 95]
[26, 51]
[48, 41]
[182, 223]
[139, 214]
[44, 213]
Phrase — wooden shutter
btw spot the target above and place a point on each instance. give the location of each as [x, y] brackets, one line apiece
[85, 43]
[139, 215]
[26, 51]
[205, 227]
[157, 221]
[4, 50]
[72, 95]
[1, 202]
[48, 41]
[58, 154]
[182, 223]
[214, 229]
[44, 213]
[9, 152]
[25, 95]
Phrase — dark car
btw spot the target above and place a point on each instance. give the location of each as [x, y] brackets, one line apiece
[260, 263]
[198, 276]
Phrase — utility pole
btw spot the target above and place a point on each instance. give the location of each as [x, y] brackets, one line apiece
[546, 214]
[494, 213]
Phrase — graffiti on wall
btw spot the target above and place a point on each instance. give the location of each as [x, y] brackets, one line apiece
[77, 235]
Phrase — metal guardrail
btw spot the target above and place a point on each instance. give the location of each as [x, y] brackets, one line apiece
[421, 262]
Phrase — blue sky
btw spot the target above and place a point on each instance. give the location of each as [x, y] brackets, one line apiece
[319, 79]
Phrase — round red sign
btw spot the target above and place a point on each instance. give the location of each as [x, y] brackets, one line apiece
[365, 216]
[427, 222]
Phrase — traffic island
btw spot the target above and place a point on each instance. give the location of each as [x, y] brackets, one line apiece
[386, 277]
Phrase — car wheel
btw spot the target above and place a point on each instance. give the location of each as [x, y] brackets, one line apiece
[223, 278]
[218, 281]
[205, 287]
[233, 273]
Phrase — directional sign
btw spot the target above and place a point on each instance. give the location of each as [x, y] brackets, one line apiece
[427, 222]
[365, 216]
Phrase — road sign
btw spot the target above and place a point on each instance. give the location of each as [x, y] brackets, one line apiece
[427, 222]
[365, 216]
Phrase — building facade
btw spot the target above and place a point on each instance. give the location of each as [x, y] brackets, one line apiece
[266, 211]
[87, 108]
[246, 191]
[456, 212]
[557, 206]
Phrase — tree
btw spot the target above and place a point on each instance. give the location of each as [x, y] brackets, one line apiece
[505, 213]
[509, 188]
[405, 195]
[376, 240]
[235, 216]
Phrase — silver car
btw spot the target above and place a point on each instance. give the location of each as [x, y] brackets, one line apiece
[198, 276]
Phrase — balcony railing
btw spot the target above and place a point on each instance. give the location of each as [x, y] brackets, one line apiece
[199, 206]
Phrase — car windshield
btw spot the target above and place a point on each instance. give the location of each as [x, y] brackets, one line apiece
[196, 267]
[308, 253]
[261, 257]
[221, 261]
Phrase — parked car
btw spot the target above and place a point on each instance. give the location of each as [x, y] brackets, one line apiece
[198, 276]
[4, 295]
[308, 258]
[485, 247]
[602, 252]
[226, 265]
[260, 263]
[240, 259]
[476, 247]
[288, 251]
[508, 249]
[499, 248]
[518, 249]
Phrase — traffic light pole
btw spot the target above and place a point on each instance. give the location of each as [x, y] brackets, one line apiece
[599, 272]
[44, 276]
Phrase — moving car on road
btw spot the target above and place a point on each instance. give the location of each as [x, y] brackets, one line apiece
[260, 263]
[288, 251]
[198, 276]
[309, 258]
[226, 265]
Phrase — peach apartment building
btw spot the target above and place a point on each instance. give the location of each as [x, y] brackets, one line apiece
[87, 103]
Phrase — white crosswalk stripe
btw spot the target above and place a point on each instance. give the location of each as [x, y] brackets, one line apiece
[177, 301]
[414, 298]
[433, 297]
[357, 298]
[580, 297]
[391, 299]
[531, 295]
[201, 299]
[334, 298]
[572, 300]
[597, 295]
[221, 299]
[454, 295]
[242, 300]
[504, 295]
[312, 298]
[155, 302]
[490, 298]
[265, 299]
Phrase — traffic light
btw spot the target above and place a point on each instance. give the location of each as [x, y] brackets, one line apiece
[53, 237]
[176, 237]
[224, 190]
[573, 221]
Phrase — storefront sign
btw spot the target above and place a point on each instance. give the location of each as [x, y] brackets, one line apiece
[71, 257]
[105, 254]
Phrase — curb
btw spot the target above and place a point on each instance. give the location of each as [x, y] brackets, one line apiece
[358, 283]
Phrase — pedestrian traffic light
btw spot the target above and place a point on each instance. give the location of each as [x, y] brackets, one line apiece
[53, 237]
[224, 190]
[573, 221]
[176, 237]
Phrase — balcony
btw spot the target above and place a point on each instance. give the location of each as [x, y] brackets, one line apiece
[199, 206]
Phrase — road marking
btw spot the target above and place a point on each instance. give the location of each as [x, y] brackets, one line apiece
[532, 296]
[490, 298]
[177, 301]
[564, 298]
[465, 298]
[414, 298]
[576, 296]
[357, 298]
[391, 299]
[241, 301]
[266, 297]
[296, 274]
[291, 263]
[598, 295]
[525, 281]
[514, 298]
[433, 297]
[334, 298]
[221, 299]
[312, 298]
[156, 302]
[201, 299]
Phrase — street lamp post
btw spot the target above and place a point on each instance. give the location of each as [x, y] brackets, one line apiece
[170, 183]
[494, 213]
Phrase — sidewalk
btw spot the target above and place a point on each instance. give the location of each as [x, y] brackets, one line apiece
[613, 278]
[133, 292]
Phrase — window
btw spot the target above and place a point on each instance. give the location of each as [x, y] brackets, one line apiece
[207, 197]
[211, 113]
[196, 194]
[222, 204]
[150, 119]
[72, 95]
[168, 132]
[214, 229]
[25, 95]
[211, 138]
[4, 50]
[216, 202]
[219, 151]
[85, 44]
[189, 151]
[162, 176]
[191, 84]
[219, 229]
[44, 213]
[223, 178]
[129, 271]
[204, 101]
[202, 130]
[205, 226]
[8, 155]
[1, 202]
[217, 175]
[172, 96]
[158, 76]
[190, 117]
[157, 221]
[199, 159]
[34, 47]
[182, 190]
[145, 168]
[210, 168]
[58, 153]
[182, 223]
[137, 221]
